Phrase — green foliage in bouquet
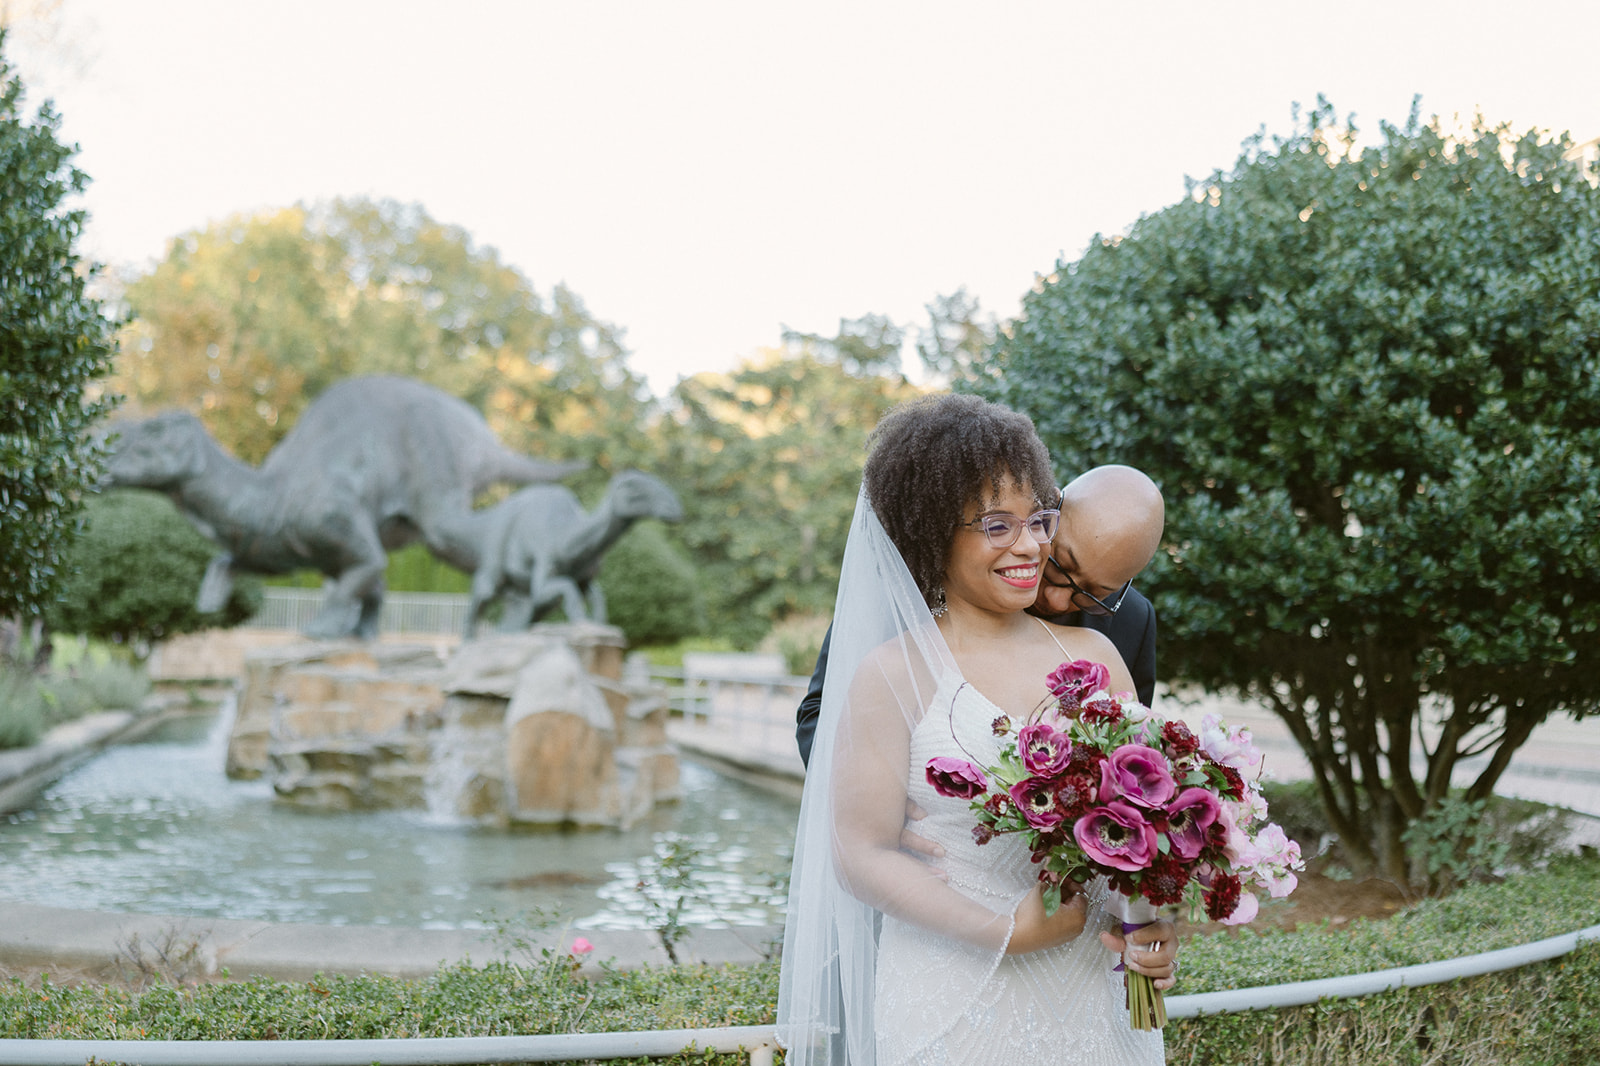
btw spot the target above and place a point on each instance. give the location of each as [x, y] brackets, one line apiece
[1367, 381]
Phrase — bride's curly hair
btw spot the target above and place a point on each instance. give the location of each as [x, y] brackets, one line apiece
[931, 458]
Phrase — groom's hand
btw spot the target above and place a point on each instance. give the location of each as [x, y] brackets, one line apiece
[920, 846]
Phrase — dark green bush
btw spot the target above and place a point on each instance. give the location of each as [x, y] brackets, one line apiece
[651, 588]
[134, 572]
[54, 344]
[1367, 381]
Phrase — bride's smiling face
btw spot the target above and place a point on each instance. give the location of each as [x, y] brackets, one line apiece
[995, 578]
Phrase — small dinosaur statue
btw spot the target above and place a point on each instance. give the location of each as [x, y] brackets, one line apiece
[373, 464]
[538, 547]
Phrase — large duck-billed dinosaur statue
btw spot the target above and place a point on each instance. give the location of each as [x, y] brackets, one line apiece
[538, 547]
[373, 464]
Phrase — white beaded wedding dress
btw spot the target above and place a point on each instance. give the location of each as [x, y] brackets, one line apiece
[886, 962]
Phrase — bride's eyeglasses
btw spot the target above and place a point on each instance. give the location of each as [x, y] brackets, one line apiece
[1003, 529]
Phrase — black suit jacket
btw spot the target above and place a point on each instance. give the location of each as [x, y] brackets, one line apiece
[1132, 629]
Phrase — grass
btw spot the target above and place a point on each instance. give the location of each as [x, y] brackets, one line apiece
[31, 705]
[1543, 1014]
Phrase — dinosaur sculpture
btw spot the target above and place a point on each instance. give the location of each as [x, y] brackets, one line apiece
[538, 547]
[373, 464]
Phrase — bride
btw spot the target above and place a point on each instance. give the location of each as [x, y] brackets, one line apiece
[888, 959]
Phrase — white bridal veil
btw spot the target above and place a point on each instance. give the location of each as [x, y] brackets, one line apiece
[888, 667]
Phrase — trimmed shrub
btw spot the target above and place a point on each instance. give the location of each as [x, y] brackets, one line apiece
[651, 588]
[134, 573]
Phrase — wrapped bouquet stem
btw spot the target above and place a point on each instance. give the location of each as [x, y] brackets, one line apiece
[1147, 1009]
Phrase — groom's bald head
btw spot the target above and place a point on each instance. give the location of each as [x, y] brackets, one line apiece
[1111, 522]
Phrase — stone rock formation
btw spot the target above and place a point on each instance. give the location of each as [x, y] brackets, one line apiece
[541, 727]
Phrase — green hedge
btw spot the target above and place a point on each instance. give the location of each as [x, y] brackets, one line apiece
[1540, 1015]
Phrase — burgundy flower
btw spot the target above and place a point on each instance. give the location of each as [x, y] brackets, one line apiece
[1001, 726]
[982, 834]
[1116, 835]
[1223, 897]
[1180, 738]
[996, 803]
[1071, 682]
[1045, 750]
[1102, 710]
[956, 778]
[1190, 817]
[1035, 798]
[1138, 774]
[1164, 882]
[1086, 760]
[1075, 793]
[1235, 789]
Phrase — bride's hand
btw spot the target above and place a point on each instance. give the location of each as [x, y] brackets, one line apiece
[1035, 931]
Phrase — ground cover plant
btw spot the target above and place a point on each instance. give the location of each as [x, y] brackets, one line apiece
[31, 705]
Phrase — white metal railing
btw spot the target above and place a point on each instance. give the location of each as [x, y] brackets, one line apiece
[403, 612]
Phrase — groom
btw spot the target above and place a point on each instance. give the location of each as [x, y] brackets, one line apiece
[1111, 522]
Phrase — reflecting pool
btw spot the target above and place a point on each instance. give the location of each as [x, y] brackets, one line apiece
[155, 827]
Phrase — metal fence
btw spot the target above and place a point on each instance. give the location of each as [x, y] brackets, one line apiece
[403, 612]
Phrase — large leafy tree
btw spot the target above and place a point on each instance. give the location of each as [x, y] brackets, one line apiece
[55, 345]
[1368, 382]
[247, 320]
[768, 462]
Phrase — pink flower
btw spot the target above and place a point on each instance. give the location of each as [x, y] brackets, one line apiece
[580, 946]
[1239, 849]
[956, 778]
[1230, 747]
[1116, 835]
[1189, 817]
[1036, 799]
[1280, 856]
[1139, 774]
[1071, 682]
[1246, 911]
[1045, 750]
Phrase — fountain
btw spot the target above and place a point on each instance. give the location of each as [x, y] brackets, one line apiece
[541, 727]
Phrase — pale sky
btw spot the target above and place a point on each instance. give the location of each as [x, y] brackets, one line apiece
[705, 173]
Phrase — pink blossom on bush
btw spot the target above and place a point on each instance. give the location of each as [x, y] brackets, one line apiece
[581, 946]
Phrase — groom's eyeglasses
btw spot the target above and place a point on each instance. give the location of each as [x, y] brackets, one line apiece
[1003, 529]
[1086, 601]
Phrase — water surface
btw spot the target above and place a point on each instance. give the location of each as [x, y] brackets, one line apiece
[156, 827]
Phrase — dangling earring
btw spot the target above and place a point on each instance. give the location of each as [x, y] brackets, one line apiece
[940, 608]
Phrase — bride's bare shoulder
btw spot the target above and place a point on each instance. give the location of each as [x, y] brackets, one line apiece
[891, 666]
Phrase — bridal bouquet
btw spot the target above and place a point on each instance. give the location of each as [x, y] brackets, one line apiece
[1098, 786]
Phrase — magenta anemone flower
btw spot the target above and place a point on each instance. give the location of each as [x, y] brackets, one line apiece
[1116, 835]
[1036, 799]
[1189, 818]
[1139, 774]
[1045, 749]
[956, 778]
[1071, 682]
